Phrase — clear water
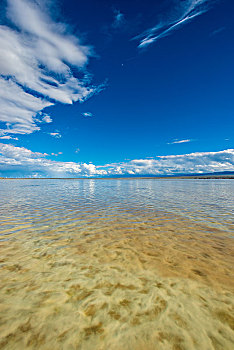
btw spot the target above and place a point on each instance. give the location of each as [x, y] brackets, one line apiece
[116, 264]
[52, 201]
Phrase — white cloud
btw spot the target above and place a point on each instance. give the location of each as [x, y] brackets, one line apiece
[182, 13]
[36, 57]
[8, 137]
[87, 114]
[47, 119]
[179, 141]
[18, 108]
[19, 153]
[19, 160]
[57, 154]
[176, 164]
[57, 135]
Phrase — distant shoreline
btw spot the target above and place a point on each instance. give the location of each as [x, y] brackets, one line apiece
[194, 177]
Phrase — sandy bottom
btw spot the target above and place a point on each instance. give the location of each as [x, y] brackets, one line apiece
[155, 284]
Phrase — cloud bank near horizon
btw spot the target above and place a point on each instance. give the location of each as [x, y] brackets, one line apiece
[19, 160]
[37, 61]
[182, 12]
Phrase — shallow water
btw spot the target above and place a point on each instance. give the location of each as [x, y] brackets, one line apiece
[116, 264]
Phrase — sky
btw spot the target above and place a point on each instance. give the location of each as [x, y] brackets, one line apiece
[116, 88]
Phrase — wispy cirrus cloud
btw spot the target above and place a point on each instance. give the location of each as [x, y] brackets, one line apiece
[119, 19]
[182, 13]
[217, 31]
[179, 141]
[19, 161]
[37, 57]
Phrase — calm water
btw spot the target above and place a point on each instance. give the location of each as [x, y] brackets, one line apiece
[116, 264]
[38, 202]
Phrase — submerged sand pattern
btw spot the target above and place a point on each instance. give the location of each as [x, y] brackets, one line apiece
[141, 282]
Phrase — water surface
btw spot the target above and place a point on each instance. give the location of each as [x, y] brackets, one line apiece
[116, 264]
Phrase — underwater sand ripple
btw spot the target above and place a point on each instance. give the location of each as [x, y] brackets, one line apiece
[155, 284]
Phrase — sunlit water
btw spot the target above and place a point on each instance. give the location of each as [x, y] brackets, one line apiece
[116, 264]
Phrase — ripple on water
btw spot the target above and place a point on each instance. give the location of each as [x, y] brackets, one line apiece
[116, 265]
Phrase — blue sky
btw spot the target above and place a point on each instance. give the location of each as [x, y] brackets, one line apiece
[101, 88]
